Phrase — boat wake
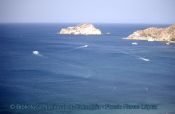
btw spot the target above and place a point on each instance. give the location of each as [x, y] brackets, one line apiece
[136, 56]
[144, 59]
[84, 46]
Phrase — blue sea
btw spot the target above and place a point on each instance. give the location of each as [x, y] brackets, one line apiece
[105, 74]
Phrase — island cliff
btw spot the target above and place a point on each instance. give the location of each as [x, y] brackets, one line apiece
[155, 34]
[82, 29]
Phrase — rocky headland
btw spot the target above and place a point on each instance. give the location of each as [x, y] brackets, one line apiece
[155, 34]
[81, 29]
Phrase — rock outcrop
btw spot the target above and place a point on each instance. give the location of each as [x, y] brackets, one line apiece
[82, 29]
[155, 34]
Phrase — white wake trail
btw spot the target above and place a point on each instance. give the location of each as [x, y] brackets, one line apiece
[144, 59]
[136, 56]
[84, 46]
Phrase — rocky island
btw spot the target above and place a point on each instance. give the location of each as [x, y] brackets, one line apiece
[155, 34]
[82, 29]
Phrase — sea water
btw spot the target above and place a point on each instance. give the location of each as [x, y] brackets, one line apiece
[40, 68]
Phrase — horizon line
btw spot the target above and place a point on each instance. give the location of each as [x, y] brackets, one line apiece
[83, 22]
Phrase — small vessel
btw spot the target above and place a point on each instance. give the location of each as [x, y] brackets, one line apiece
[85, 46]
[36, 52]
[168, 43]
[134, 43]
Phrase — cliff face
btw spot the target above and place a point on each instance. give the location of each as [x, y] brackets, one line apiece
[82, 29]
[155, 34]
